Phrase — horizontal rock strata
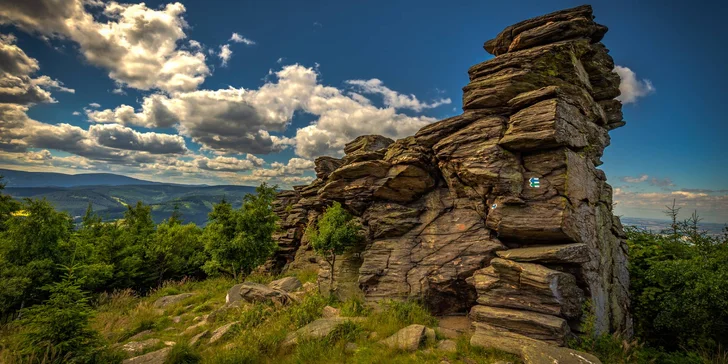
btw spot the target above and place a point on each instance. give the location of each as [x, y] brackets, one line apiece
[453, 215]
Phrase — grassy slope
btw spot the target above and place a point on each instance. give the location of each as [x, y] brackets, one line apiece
[263, 327]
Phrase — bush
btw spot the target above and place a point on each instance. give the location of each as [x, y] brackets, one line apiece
[679, 287]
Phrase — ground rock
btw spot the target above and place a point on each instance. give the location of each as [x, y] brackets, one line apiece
[287, 284]
[409, 338]
[170, 300]
[155, 357]
[317, 329]
[195, 339]
[447, 346]
[221, 331]
[329, 312]
[255, 292]
[134, 347]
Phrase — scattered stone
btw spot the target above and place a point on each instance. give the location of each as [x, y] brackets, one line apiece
[140, 335]
[447, 346]
[170, 300]
[195, 339]
[177, 319]
[317, 329]
[155, 357]
[373, 336]
[256, 292]
[221, 331]
[135, 347]
[350, 348]
[409, 338]
[287, 284]
[329, 312]
[195, 326]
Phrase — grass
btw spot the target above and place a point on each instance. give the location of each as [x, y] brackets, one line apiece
[262, 327]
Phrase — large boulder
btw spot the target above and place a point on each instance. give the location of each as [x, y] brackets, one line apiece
[256, 292]
[316, 330]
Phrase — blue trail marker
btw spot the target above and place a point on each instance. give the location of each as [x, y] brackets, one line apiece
[535, 183]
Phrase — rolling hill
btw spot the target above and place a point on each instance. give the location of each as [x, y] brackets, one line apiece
[110, 194]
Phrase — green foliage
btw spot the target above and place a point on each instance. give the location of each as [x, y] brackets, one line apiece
[239, 241]
[353, 307]
[335, 233]
[30, 249]
[679, 287]
[176, 251]
[62, 322]
[395, 315]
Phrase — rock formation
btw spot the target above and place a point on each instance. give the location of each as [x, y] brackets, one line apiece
[454, 215]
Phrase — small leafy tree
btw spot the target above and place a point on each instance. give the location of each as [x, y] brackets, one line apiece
[176, 251]
[239, 241]
[335, 233]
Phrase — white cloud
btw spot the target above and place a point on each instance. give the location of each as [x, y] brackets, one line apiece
[95, 105]
[393, 98]
[240, 120]
[16, 84]
[630, 87]
[76, 113]
[225, 54]
[280, 60]
[137, 45]
[237, 38]
[712, 206]
[195, 44]
[639, 179]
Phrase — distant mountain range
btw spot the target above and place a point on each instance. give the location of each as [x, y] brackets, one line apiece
[110, 194]
[13, 178]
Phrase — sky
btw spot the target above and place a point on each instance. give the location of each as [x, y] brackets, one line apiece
[244, 92]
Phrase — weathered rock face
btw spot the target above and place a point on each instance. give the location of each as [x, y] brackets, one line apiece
[453, 214]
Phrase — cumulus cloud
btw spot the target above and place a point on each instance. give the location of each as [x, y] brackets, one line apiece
[631, 87]
[225, 54]
[16, 84]
[639, 179]
[137, 45]
[237, 38]
[94, 105]
[393, 98]
[711, 205]
[240, 120]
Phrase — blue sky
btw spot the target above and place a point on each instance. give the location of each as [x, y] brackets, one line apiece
[389, 66]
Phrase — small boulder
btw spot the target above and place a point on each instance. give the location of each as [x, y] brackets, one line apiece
[410, 338]
[195, 339]
[221, 331]
[256, 292]
[155, 357]
[140, 335]
[170, 300]
[447, 346]
[177, 319]
[329, 312]
[287, 284]
[135, 347]
[548, 354]
[315, 330]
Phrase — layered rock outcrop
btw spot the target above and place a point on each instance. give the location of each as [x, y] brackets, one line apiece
[454, 216]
